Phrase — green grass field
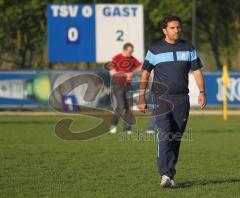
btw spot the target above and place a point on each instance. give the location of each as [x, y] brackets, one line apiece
[36, 163]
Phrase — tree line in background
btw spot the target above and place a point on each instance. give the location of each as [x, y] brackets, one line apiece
[23, 30]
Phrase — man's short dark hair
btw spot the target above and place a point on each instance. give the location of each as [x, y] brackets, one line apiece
[126, 45]
[168, 19]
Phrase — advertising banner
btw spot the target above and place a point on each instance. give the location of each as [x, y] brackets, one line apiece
[31, 89]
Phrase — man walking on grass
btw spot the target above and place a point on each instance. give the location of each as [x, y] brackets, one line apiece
[171, 59]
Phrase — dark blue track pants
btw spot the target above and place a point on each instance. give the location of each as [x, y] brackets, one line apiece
[171, 115]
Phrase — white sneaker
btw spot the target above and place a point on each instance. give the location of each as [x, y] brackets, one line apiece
[113, 129]
[150, 131]
[173, 184]
[129, 132]
[165, 182]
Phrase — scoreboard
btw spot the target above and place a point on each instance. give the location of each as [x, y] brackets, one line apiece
[93, 32]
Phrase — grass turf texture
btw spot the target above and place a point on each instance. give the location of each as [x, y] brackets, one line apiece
[35, 163]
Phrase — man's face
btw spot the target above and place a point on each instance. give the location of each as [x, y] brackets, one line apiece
[128, 52]
[173, 30]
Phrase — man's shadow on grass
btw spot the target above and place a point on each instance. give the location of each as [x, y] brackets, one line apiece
[189, 184]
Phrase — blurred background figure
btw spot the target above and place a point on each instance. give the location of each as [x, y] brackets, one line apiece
[150, 125]
[124, 66]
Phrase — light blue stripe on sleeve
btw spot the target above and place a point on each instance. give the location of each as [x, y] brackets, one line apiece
[150, 57]
[155, 59]
[193, 55]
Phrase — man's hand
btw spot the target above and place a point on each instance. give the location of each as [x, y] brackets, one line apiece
[112, 72]
[202, 101]
[129, 76]
[201, 86]
[142, 105]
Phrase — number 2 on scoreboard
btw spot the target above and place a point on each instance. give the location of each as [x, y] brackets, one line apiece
[120, 34]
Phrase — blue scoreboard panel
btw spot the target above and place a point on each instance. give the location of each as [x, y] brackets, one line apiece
[71, 33]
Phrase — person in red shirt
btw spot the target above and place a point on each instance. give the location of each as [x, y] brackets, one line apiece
[123, 67]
